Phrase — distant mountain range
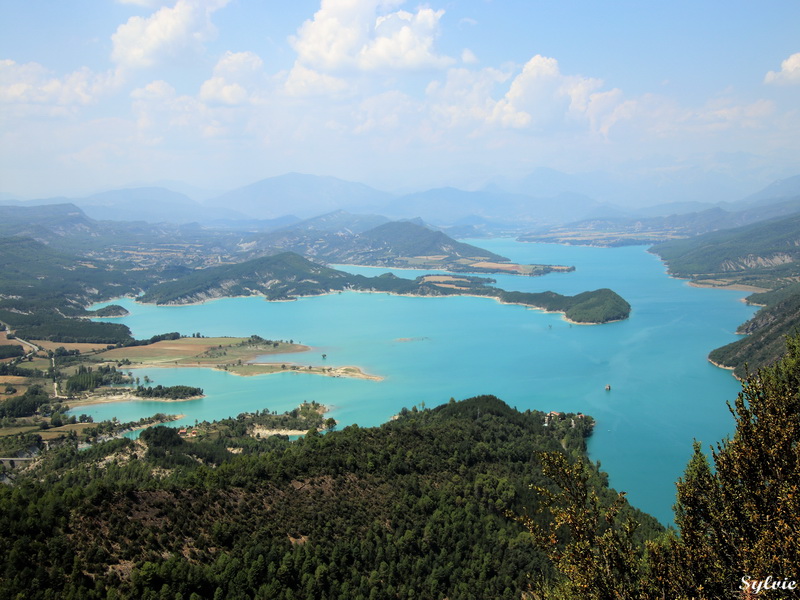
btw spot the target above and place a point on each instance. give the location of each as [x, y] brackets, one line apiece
[541, 203]
[297, 194]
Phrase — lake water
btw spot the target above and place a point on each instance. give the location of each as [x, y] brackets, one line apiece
[664, 393]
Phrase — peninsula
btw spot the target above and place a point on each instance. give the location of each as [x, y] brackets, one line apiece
[287, 276]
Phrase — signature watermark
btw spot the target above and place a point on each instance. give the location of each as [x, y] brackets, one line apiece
[756, 586]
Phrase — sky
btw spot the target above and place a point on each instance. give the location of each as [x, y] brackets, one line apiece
[97, 94]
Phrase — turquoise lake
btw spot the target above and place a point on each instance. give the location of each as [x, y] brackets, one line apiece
[664, 393]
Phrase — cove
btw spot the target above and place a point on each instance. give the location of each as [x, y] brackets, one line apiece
[664, 393]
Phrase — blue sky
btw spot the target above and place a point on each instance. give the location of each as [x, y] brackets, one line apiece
[399, 95]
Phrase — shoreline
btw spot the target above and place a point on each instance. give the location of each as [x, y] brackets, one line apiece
[271, 368]
[350, 371]
[270, 432]
[167, 419]
[739, 287]
[331, 292]
[122, 397]
[725, 367]
[496, 299]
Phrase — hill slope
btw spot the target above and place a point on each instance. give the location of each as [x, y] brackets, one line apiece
[302, 195]
[403, 238]
[42, 287]
[765, 333]
[765, 254]
[414, 508]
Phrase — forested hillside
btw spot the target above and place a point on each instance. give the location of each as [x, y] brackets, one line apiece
[419, 507]
[766, 255]
[765, 334]
[43, 289]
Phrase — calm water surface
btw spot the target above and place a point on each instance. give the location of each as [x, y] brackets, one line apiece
[664, 392]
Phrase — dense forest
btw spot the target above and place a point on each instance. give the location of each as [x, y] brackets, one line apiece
[171, 392]
[418, 507]
[45, 291]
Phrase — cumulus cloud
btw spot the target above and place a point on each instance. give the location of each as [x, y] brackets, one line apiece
[31, 83]
[388, 112]
[234, 75]
[541, 96]
[303, 81]
[466, 97]
[360, 34]
[789, 73]
[468, 57]
[143, 41]
[163, 115]
[403, 40]
[724, 114]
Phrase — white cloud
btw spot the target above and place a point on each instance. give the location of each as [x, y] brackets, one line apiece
[542, 97]
[217, 89]
[303, 81]
[234, 74]
[403, 40]
[388, 112]
[347, 34]
[143, 42]
[789, 73]
[468, 57]
[31, 83]
[465, 98]
[724, 114]
[154, 91]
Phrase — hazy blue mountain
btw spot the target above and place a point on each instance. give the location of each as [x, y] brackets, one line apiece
[191, 191]
[671, 208]
[550, 182]
[775, 192]
[674, 220]
[640, 186]
[340, 221]
[150, 204]
[43, 222]
[246, 224]
[451, 205]
[404, 238]
[302, 195]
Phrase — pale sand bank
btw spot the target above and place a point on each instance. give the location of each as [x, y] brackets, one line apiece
[121, 397]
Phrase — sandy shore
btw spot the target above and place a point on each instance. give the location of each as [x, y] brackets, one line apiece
[263, 432]
[726, 286]
[346, 371]
[121, 397]
[251, 369]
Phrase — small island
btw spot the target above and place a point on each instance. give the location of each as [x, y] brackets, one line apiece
[110, 311]
[172, 392]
